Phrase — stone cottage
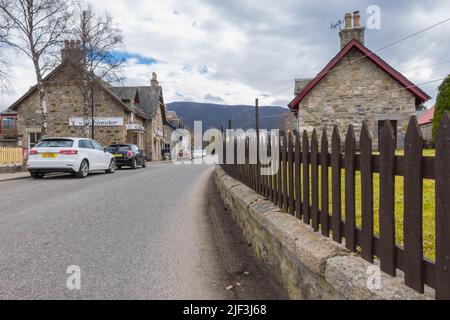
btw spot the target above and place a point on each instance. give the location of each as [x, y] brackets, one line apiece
[356, 86]
[136, 118]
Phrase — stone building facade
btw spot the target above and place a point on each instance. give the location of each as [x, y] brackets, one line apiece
[115, 120]
[356, 86]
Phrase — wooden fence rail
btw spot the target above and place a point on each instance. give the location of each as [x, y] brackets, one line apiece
[11, 156]
[301, 188]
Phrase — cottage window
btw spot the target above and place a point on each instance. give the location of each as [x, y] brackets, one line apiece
[8, 124]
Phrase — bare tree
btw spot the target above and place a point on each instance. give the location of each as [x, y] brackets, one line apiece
[99, 38]
[4, 65]
[37, 28]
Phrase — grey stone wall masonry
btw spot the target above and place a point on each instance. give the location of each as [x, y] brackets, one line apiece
[304, 263]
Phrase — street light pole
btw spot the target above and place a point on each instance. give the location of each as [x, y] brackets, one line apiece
[92, 115]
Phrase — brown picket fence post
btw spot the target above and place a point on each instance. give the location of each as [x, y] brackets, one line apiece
[387, 200]
[305, 166]
[285, 174]
[350, 176]
[315, 181]
[443, 209]
[366, 167]
[413, 204]
[324, 157]
[291, 174]
[298, 178]
[336, 164]
[280, 175]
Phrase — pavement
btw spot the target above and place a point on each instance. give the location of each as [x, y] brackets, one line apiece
[13, 176]
[144, 234]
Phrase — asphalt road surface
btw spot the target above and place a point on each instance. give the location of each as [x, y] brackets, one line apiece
[143, 234]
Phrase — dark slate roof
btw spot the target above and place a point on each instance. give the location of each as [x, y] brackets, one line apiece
[171, 125]
[125, 93]
[148, 97]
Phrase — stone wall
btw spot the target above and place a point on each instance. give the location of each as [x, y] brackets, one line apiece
[355, 92]
[304, 263]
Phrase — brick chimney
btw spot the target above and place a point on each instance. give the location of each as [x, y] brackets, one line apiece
[352, 30]
[72, 53]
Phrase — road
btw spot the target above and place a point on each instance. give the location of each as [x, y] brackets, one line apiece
[142, 234]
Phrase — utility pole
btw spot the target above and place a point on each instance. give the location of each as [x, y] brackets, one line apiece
[258, 168]
[93, 113]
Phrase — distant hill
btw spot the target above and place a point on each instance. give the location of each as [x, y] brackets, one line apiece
[215, 116]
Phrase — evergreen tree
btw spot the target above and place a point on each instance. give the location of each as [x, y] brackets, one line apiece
[442, 104]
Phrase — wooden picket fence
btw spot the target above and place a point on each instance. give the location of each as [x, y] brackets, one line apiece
[304, 193]
[11, 156]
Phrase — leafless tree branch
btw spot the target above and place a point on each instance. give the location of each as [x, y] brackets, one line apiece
[37, 28]
[100, 38]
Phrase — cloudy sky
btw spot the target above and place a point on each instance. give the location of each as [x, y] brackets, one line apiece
[233, 51]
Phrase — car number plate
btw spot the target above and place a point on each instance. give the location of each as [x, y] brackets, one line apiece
[49, 155]
[118, 155]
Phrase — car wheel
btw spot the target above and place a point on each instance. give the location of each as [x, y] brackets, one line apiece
[134, 164]
[37, 175]
[119, 167]
[112, 167]
[84, 170]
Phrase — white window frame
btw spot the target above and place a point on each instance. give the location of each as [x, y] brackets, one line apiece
[29, 133]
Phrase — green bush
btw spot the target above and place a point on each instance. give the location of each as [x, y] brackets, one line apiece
[442, 104]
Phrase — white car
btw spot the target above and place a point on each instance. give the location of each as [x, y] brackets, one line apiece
[79, 156]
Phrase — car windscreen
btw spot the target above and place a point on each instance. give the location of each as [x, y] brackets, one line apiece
[118, 148]
[55, 143]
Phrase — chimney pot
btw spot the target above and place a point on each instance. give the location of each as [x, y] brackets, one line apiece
[348, 21]
[154, 81]
[356, 19]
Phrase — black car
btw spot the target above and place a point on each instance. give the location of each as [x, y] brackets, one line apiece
[127, 155]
